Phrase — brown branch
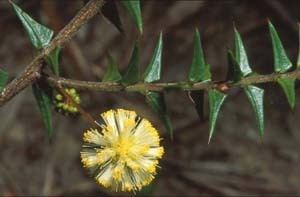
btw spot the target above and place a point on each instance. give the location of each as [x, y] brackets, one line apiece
[32, 71]
[185, 86]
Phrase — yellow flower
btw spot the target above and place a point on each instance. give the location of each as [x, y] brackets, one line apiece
[124, 155]
[64, 105]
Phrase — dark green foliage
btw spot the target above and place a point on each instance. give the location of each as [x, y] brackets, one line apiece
[157, 101]
[112, 73]
[199, 70]
[282, 64]
[241, 55]
[288, 86]
[256, 98]
[281, 61]
[239, 69]
[44, 104]
[132, 74]
[3, 79]
[154, 99]
[197, 97]
[153, 70]
[234, 72]
[40, 36]
[134, 8]
[298, 59]
[215, 99]
[53, 60]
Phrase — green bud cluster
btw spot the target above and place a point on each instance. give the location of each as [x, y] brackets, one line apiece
[64, 105]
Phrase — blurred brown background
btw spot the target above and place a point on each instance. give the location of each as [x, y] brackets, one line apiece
[237, 162]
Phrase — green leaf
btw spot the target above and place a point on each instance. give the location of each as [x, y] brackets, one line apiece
[134, 8]
[153, 70]
[234, 72]
[288, 86]
[112, 73]
[39, 35]
[132, 74]
[44, 104]
[53, 60]
[238, 62]
[157, 101]
[3, 79]
[198, 100]
[111, 13]
[241, 55]
[199, 70]
[256, 98]
[281, 61]
[298, 59]
[215, 99]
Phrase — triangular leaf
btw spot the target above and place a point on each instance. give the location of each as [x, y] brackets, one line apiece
[256, 98]
[110, 11]
[288, 86]
[198, 100]
[3, 79]
[199, 70]
[153, 71]
[44, 104]
[281, 61]
[134, 8]
[215, 99]
[157, 101]
[112, 73]
[39, 35]
[53, 60]
[132, 74]
[241, 55]
[234, 72]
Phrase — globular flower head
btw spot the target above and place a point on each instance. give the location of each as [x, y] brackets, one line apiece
[65, 105]
[124, 155]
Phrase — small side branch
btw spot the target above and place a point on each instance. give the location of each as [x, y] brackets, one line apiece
[33, 70]
[185, 86]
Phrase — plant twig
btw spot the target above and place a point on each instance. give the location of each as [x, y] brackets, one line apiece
[32, 71]
[185, 86]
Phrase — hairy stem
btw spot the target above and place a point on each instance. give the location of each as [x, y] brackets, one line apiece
[185, 86]
[33, 70]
